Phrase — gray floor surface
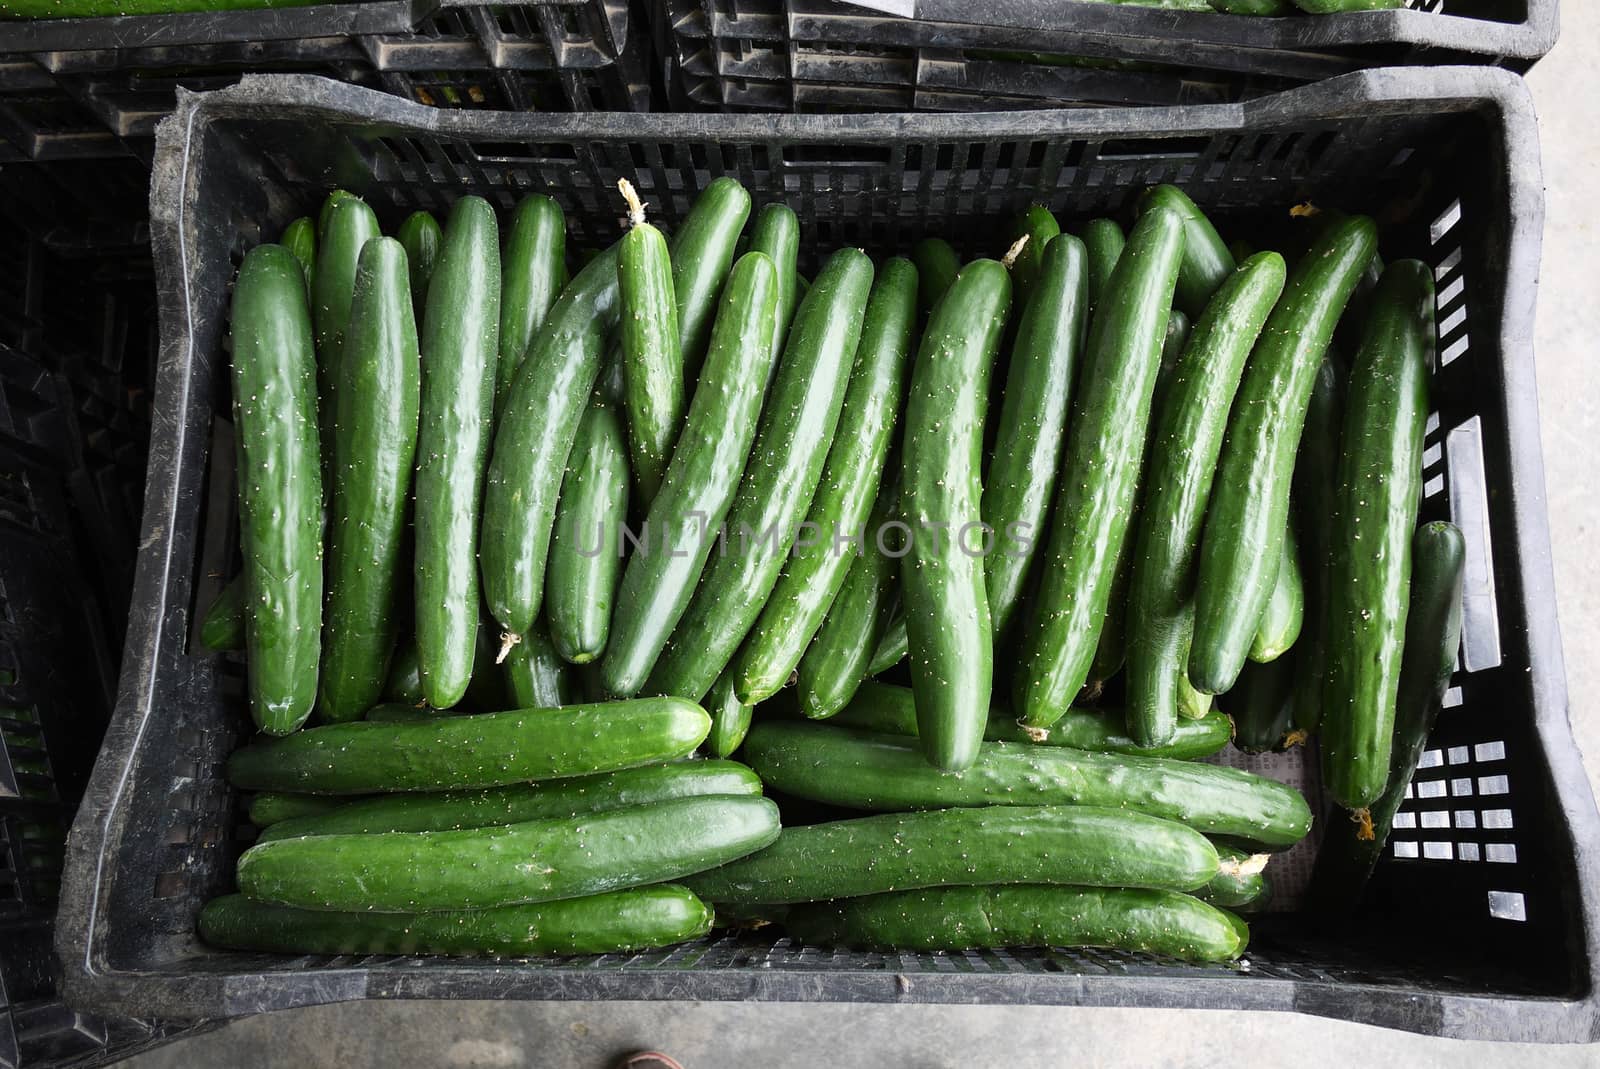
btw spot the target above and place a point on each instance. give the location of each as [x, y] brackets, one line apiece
[756, 1036]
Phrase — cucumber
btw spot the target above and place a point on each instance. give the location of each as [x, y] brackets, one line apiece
[1022, 474]
[272, 807]
[533, 274]
[948, 627]
[300, 238]
[348, 226]
[585, 550]
[535, 861]
[1259, 704]
[536, 677]
[458, 356]
[937, 267]
[837, 660]
[378, 394]
[776, 232]
[1380, 485]
[1177, 485]
[486, 750]
[1335, 7]
[815, 573]
[1285, 612]
[1207, 263]
[1249, 505]
[453, 810]
[1065, 844]
[652, 358]
[621, 921]
[700, 481]
[422, 238]
[280, 486]
[841, 767]
[885, 709]
[786, 466]
[1316, 470]
[961, 918]
[1111, 651]
[1100, 470]
[1433, 638]
[893, 645]
[533, 444]
[702, 256]
[1103, 243]
[730, 717]
[222, 627]
[1041, 227]
[404, 684]
[1240, 883]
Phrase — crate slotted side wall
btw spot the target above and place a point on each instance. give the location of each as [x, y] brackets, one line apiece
[1445, 159]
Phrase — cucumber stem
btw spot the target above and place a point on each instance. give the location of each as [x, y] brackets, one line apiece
[635, 205]
[1363, 821]
[1010, 258]
[1249, 866]
[507, 640]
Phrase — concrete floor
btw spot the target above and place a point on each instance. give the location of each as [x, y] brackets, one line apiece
[719, 1036]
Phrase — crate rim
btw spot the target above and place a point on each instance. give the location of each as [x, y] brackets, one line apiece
[1500, 94]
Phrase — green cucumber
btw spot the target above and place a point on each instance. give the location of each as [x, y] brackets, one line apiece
[702, 253]
[1335, 7]
[1285, 612]
[1240, 883]
[960, 918]
[1100, 470]
[893, 645]
[881, 772]
[486, 750]
[1316, 471]
[1380, 485]
[458, 355]
[948, 628]
[378, 395]
[1433, 639]
[533, 444]
[272, 807]
[1022, 474]
[621, 921]
[885, 709]
[652, 358]
[1041, 227]
[300, 238]
[786, 466]
[536, 676]
[815, 572]
[404, 684]
[422, 238]
[937, 267]
[1177, 485]
[280, 486]
[1103, 242]
[453, 810]
[1065, 844]
[585, 550]
[1192, 703]
[348, 226]
[534, 272]
[222, 627]
[1259, 704]
[837, 660]
[535, 861]
[1249, 506]
[1111, 651]
[1207, 263]
[730, 717]
[701, 479]
[776, 232]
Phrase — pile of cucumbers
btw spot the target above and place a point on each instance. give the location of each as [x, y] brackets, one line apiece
[526, 544]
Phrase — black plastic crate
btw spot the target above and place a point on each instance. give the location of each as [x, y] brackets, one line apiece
[953, 55]
[1481, 921]
[73, 88]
